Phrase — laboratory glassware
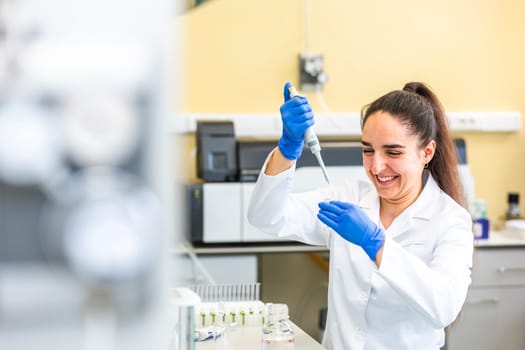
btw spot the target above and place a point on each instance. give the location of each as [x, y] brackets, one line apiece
[277, 333]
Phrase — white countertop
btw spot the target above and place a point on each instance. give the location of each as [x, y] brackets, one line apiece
[274, 247]
[249, 338]
[496, 239]
[502, 239]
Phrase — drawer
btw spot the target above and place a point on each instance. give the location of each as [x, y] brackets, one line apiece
[499, 266]
[492, 318]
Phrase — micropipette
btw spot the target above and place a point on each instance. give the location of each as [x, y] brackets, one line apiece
[311, 140]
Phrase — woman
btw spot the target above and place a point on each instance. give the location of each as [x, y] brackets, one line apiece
[400, 245]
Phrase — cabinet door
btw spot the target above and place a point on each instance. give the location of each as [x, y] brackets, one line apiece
[492, 318]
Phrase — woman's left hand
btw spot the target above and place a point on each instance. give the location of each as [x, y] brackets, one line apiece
[351, 223]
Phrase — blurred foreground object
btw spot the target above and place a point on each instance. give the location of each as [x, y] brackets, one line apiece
[82, 162]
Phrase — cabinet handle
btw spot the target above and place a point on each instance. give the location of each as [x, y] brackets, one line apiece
[504, 269]
[478, 301]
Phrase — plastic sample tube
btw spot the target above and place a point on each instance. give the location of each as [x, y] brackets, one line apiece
[207, 333]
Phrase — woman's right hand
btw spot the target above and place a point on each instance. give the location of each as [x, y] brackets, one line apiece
[297, 116]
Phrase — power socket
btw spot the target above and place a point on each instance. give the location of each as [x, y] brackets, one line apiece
[311, 71]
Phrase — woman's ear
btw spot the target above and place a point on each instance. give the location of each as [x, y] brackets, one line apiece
[429, 150]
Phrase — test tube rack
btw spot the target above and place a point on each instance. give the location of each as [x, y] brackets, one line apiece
[229, 305]
[228, 292]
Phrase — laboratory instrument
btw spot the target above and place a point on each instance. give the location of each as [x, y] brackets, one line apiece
[277, 333]
[216, 151]
[513, 210]
[209, 223]
[81, 150]
[311, 140]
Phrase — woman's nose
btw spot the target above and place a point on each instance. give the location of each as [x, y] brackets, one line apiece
[378, 164]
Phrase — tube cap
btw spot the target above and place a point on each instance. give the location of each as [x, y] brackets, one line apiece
[513, 197]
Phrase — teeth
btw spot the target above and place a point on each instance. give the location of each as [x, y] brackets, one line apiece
[385, 178]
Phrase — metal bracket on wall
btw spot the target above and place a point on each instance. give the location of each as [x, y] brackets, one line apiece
[311, 71]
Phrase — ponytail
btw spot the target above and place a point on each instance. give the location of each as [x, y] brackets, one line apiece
[444, 164]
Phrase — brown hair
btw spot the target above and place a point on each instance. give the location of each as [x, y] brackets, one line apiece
[419, 109]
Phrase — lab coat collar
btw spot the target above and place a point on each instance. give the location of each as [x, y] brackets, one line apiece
[422, 207]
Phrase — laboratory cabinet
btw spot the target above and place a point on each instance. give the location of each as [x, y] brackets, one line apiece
[493, 316]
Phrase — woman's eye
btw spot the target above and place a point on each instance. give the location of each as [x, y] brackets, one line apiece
[394, 153]
[368, 151]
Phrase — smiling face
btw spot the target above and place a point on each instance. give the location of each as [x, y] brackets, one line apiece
[394, 159]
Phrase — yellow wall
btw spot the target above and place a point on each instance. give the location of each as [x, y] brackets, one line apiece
[238, 54]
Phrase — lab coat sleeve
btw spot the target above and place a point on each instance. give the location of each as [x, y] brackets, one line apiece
[436, 290]
[275, 210]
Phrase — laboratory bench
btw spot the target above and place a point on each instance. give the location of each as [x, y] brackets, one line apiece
[493, 315]
[262, 248]
[499, 239]
[496, 239]
[494, 312]
[242, 338]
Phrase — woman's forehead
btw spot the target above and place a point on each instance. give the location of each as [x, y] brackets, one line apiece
[383, 126]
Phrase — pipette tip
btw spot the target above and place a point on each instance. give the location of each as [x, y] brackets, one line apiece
[322, 166]
[325, 174]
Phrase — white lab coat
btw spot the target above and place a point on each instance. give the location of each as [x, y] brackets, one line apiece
[424, 275]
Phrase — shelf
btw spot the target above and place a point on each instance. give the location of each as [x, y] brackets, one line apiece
[341, 124]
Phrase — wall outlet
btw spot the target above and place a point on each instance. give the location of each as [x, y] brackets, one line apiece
[311, 71]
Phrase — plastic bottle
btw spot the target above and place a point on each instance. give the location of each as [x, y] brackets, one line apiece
[513, 211]
[277, 333]
[481, 222]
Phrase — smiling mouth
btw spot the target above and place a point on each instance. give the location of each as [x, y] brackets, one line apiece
[385, 179]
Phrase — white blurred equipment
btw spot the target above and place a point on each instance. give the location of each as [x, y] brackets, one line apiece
[82, 98]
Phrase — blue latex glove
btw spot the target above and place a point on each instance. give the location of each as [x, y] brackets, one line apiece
[297, 116]
[353, 225]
